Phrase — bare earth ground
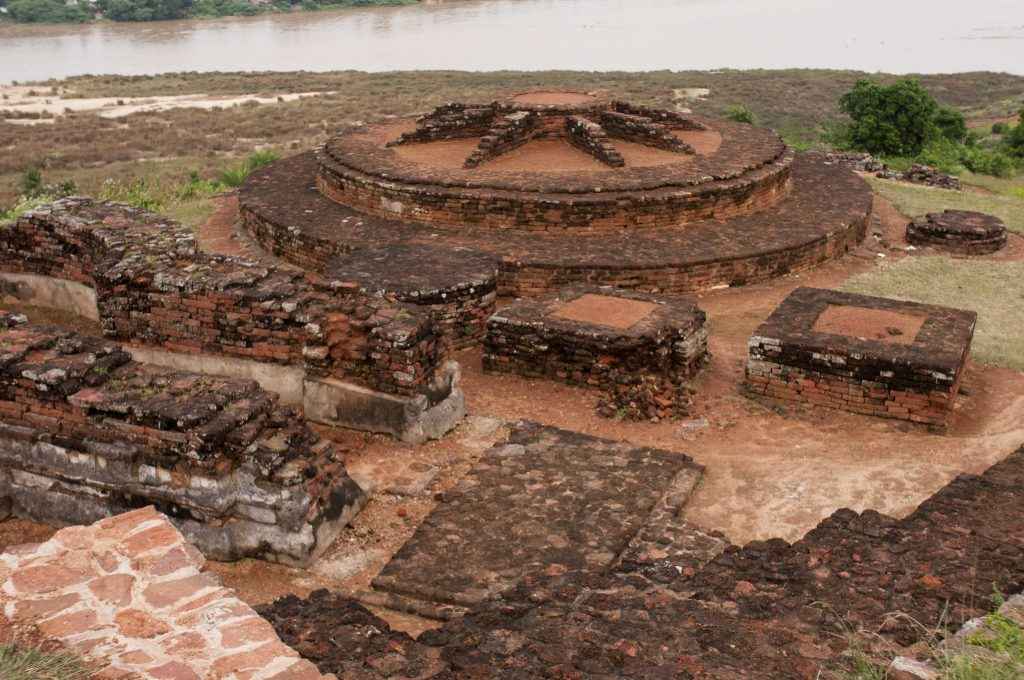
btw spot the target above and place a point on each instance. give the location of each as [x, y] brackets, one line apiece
[770, 472]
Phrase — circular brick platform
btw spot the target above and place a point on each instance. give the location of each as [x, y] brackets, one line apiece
[824, 214]
[546, 184]
[959, 231]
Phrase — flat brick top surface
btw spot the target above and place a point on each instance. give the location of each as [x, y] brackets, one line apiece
[962, 224]
[939, 345]
[605, 310]
[414, 271]
[823, 201]
[128, 594]
[743, 149]
[547, 497]
[869, 324]
[604, 313]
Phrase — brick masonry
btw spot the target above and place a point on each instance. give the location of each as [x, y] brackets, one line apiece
[917, 381]
[959, 231]
[85, 432]
[642, 130]
[508, 132]
[154, 287]
[530, 338]
[129, 595]
[770, 610]
[592, 139]
[821, 218]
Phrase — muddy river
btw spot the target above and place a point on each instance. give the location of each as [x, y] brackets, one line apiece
[891, 35]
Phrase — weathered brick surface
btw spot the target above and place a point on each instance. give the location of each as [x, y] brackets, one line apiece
[788, 360]
[591, 138]
[821, 218]
[163, 624]
[507, 133]
[154, 287]
[86, 432]
[768, 611]
[530, 339]
[959, 231]
[642, 130]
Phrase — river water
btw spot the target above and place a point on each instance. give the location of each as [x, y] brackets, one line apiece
[900, 36]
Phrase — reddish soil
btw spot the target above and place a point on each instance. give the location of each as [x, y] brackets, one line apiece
[447, 153]
[869, 324]
[605, 310]
[554, 98]
[770, 471]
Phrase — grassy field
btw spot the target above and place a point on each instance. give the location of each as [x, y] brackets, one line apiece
[88, 148]
[995, 290]
[915, 200]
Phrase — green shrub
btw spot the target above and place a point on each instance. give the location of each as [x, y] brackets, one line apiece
[46, 12]
[223, 8]
[233, 177]
[951, 124]
[1000, 128]
[143, 10]
[139, 193]
[741, 114]
[893, 120]
[988, 162]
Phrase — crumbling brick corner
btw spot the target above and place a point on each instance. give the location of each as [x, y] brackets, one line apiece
[792, 360]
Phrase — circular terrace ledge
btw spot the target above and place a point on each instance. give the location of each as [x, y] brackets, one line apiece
[535, 162]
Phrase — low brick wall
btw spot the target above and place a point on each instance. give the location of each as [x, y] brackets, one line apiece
[450, 121]
[588, 136]
[547, 338]
[671, 119]
[86, 432]
[154, 287]
[791, 360]
[642, 131]
[127, 593]
[508, 133]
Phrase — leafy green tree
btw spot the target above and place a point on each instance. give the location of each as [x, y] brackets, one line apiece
[951, 124]
[1015, 138]
[46, 12]
[144, 10]
[894, 120]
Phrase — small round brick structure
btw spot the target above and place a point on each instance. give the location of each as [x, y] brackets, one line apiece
[959, 231]
[557, 189]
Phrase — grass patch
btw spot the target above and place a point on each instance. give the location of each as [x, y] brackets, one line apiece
[26, 663]
[915, 200]
[995, 290]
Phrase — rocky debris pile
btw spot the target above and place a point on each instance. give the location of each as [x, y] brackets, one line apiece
[127, 593]
[450, 121]
[861, 162]
[767, 611]
[640, 397]
[154, 287]
[959, 231]
[923, 174]
[86, 432]
[343, 637]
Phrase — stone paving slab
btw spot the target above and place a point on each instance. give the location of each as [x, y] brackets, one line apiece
[128, 595]
[548, 499]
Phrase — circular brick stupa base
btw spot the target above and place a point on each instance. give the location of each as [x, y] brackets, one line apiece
[959, 231]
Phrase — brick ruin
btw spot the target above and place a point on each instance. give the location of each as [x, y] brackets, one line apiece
[155, 289]
[959, 231]
[862, 354]
[603, 338]
[769, 610]
[127, 593]
[86, 432]
[555, 189]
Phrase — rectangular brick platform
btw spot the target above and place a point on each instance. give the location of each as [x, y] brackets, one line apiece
[592, 336]
[547, 498]
[127, 593]
[864, 354]
[85, 432]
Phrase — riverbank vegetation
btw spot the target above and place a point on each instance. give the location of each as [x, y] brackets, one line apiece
[166, 147]
[60, 12]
